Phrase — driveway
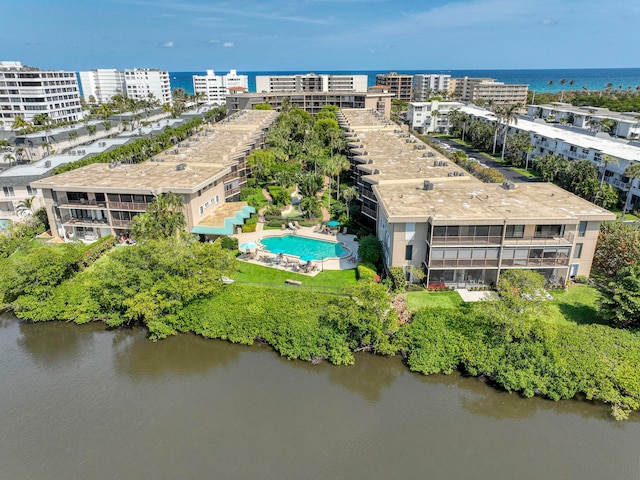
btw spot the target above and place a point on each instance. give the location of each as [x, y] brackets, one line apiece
[510, 175]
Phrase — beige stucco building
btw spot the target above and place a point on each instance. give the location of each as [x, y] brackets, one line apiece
[431, 214]
[207, 171]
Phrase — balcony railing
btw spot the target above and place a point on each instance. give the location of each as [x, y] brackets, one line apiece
[463, 262]
[567, 238]
[535, 262]
[138, 206]
[81, 221]
[83, 202]
[466, 240]
[369, 194]
[119, 223]
[231, 191]
[369, 212]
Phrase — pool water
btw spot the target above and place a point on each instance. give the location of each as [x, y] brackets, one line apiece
[300, 246]
[5, 223]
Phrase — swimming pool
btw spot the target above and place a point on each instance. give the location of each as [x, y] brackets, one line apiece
[301, 246]
[5, 223]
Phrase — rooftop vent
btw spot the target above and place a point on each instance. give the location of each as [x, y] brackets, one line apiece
[509, 185]
[181, 166]
[47, 164]
[427, 185]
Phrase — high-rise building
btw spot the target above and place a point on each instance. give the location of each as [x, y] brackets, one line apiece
[215, 88]
[28, 91]
[140, 83]
[311, 82]
[426, 85]
[399, 84]
[102, 84]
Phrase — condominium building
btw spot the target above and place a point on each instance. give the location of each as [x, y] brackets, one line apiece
[27, 91]
[145, 83]
[625, 124]
[399, 84]
[572, 144]
[430, 214]
[431, 116]
[426, 85]
[101, 85]
[313, 102]
[207, 171]
[486, 90]
[311, 82]
[215, 88]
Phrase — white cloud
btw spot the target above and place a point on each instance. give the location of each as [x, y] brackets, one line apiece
[214, 41]
[227, 44]
[168, 45]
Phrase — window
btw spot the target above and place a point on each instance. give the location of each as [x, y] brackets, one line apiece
[31, 191]
[408, 252]
[578, 251]
[410, 232]
[582, 229]
[549, 231]
[515, 231]
[8, 191]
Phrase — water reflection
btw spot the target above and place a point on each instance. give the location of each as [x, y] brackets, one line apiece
[55, 344]
[138, 357]
[6, 319]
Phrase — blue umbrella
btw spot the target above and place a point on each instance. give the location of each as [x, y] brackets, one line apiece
[248, 245]
[333, 223]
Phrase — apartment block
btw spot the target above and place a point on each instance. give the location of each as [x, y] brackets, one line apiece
[141, 83]
[626, 124]
[313, 102]
[431, 116]
[399, 84]
[28, 91]
[311, 82]
[101, 85]
[573, 144]
[486, 90]
[207, 171]
[426, 85]
[430, 214]
[215, 88]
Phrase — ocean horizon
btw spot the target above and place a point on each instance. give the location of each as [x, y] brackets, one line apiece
[537, 79]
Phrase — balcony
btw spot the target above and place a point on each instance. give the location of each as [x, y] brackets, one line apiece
[369, 212]
[463, 262]
[231, 191]
[466, 240]
[366, 193]
[566, 239]
[118, 223]
[83, 221]
[83, 202]
[536, 262]
[128, 206]
[576, 155]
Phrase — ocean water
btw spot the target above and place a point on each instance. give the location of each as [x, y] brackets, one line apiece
[538, 80]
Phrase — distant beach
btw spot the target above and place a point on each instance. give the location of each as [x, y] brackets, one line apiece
[538, 80]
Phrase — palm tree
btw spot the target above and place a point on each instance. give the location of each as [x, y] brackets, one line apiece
[20, 123]
[508, 116]
[497, 111]
[25, 207]
[632, 171]
[349, 193]
[562, 82]
[607, 160]
[9, 158]
[434, 119]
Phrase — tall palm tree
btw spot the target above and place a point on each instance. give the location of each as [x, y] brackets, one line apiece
[9, 158]
[20, 123]
[434, 119]
[498, 112]
[508, 116]
[632, 171]
[607, 160]
[349, 194]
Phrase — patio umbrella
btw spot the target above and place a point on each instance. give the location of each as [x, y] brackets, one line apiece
[248, 246]
[333, 223]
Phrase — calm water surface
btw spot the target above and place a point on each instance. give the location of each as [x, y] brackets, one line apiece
[80, 402]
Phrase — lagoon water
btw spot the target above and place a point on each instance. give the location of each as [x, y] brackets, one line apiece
[82, 402]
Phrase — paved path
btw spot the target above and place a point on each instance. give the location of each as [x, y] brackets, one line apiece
[325, 213]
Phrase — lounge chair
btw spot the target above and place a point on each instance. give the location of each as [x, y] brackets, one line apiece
[292, 227]
[344, 231]
[297, 225]
[284, 226]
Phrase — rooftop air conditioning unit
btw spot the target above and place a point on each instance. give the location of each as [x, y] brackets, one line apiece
[181, 166]
[509, 185]
[450, 174]
[175, 151]
[427, 185]
[47, 164]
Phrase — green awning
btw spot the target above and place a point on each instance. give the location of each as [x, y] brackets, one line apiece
[229, 222]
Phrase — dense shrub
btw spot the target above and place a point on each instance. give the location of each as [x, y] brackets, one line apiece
[95, 250]
[229, 243]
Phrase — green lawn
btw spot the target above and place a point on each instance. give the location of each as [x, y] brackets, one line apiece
[577, 304]
[531, 173]
[250, 272]
[258, 200]
[618, 212]
[417, 300]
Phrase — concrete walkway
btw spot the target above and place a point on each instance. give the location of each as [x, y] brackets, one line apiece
[475, 296]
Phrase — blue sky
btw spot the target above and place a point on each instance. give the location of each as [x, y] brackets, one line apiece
[308, 35]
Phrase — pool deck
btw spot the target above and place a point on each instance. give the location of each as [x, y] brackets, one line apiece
[345, 263]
